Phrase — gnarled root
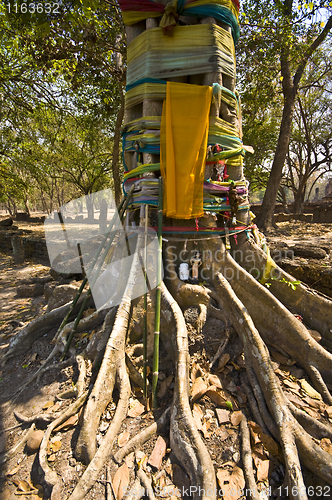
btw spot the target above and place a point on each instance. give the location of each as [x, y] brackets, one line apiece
[247, 460]
[91, 473]
[294, 439]
[38, 327]
[114, 358]
[185, 439]
[143, 436]
[283, 331]
[50, 476]
[314, 307]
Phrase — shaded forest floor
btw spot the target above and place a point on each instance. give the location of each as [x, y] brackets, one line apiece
[216, 417]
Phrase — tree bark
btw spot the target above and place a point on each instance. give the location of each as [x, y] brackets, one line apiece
[265, 217]
[116, 150]
[289, 87]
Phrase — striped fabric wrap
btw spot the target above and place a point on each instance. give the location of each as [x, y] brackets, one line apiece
[190, 50]
[224, 11]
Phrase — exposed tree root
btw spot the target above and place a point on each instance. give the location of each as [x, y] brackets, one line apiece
[313, 306]
[50, 476]
[311, 425]
[186, 442]
[91, 473]
[143, 436]
[79, 387]
[294, 439]
[283, 331]
[247, 460]
[17, 446]
[253, 403]
[38, 327]
[146, 482]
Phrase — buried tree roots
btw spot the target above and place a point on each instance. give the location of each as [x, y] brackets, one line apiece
[250, 377]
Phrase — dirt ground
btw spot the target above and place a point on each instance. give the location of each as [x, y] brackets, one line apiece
[22, 475]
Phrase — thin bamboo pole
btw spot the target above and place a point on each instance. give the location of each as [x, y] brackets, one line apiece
[145, 331]
[158, 299]
[122, 209]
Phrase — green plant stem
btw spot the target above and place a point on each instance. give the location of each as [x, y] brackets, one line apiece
[121, 211]
[158, 299]
[145, 331]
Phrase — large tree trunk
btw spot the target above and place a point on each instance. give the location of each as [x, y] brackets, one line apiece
[116, 150]
[265, 217]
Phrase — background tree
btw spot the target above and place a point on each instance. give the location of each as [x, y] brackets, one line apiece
[310, 148]
[282, 40]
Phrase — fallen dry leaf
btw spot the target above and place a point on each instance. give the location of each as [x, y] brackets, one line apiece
[130, 460]
[71, 422]
[196, 371]
[230, 482]
[215, 380]
[326, 445]
[222, 433]
[120, 481]
[269, 443]
[216, 396]
[222, 362]
[123, 438]
[312, 413]
[52, 457]
[136, 409]
[236, 417]
[310, 390]
[205, 429]
[56, 446]
[13, 471]
[328, 411]
[263, 470]
[198, 389]
[48, 405]
[223, 415]
[158, 453]
[314, 403]
[291, 385]
[198, 415]
[24, 486]
[295, 399]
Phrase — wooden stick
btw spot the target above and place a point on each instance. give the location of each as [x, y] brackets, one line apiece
[158, 299]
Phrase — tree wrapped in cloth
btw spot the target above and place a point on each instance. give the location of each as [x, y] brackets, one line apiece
[183, 124]
[181, 88]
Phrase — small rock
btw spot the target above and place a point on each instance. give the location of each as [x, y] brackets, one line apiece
[61, 295]
[34, 441]
[72, 462]
[6, 222]
[33, 290]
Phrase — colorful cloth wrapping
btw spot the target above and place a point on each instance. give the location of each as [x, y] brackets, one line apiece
[184, 132]
[190, 50]
[225, 11]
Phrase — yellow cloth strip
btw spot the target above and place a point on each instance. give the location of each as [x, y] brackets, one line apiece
[184, 131]
[157, 91]
[269, 265]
